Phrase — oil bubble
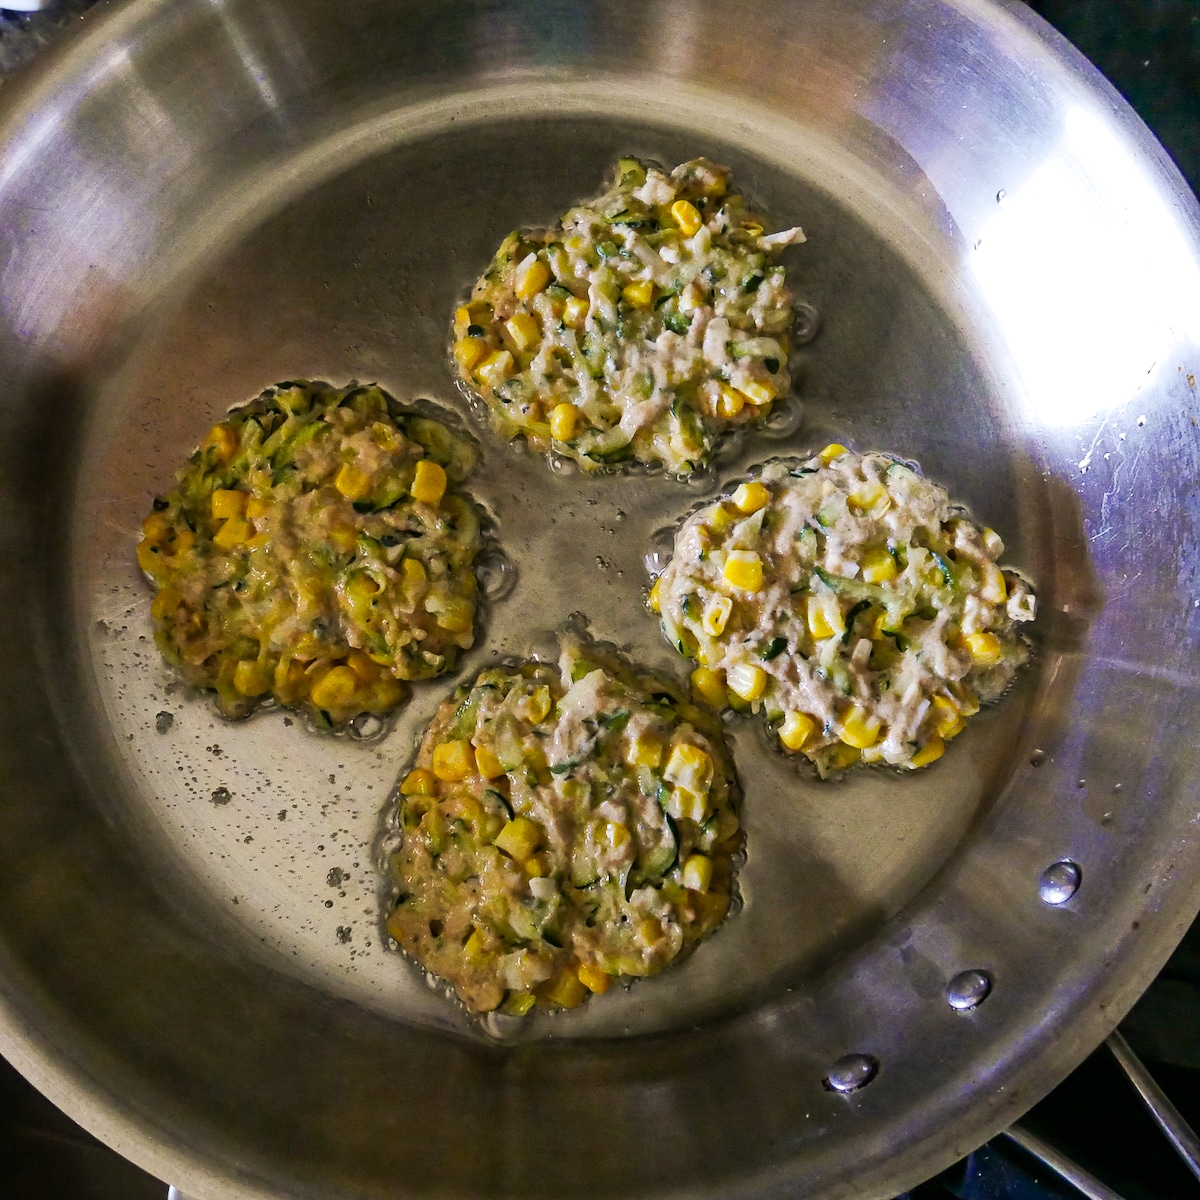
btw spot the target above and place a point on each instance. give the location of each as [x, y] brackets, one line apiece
[497, 575]
[807, 326]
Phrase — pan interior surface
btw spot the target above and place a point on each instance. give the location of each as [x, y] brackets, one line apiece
[192, 959]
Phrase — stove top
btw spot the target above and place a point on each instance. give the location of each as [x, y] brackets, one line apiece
[1150, 50]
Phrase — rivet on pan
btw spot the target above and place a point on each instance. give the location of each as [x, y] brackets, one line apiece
[968, 989]
[851, 1072]
[1059, 882]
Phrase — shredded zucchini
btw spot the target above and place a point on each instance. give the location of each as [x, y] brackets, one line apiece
[848, 601]
[639, 327]
[562, 828]
[317, 551]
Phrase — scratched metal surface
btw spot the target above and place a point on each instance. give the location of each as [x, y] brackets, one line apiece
[200, 200]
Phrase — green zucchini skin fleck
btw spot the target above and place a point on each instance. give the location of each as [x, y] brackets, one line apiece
[637, 329]
[294, 561]
[875, 619]
[562, 827]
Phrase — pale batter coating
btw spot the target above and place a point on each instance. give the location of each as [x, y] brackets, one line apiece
[563, 827]
[645, 323]
[316, 550]
[848, 601]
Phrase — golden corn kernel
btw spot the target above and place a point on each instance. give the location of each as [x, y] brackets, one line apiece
[645, 750]
[649, 931]
[878, 566]
[796, 730]
[532, 278]
[223, 440]
[291, 680]
[985, 648]
[617, 836]
[453, 761]
[687, 217]
[257, 507]
[519, 838]
[536, 866]
[993, 543]
[259, 541]
[457, 616]
[384, 694]
[538, 704]
[825, 616]
[720, 517]
[524, 330]
[164, 604]
[564, 418]
[227, 503]
[716, 615]
[930, 752]
[639, 293]
[364, 669]
[687, 806]
[832, 451]
[344, 539]
[487, 763]
[757, 392]
[655, 597]
[947, 719]
[842, 757]
[746, 680]
[361, 587]
[689, 767]
[566, 990]
[750, 497]
[730, 402]
[709, 685]
[496, 368]
[593, 978]
[148, 557]
[419, 783]
[994, 590]
[335, 689]
[353, 483]
[253, 678]
[414, 571]
[429, 483]
[468, 351]
[867, 495]
[575, 313]
[462, 320]
[697, 873]
[232, 533]
[155, 528]
[476, 948]
[859, 730]
[743, 569]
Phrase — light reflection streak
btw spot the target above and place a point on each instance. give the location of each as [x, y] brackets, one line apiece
[255, 70]
[1090, 276]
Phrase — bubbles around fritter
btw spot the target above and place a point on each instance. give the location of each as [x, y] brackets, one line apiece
[846, 599]
[316, 550]
[563, 827]
[642, 325]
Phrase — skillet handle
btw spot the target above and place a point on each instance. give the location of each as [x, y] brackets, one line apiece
[1082, 1181]
[1178, 1132]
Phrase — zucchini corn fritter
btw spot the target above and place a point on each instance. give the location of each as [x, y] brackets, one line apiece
[847, 600]
[562, 828]
[639, 327]
[315, 551]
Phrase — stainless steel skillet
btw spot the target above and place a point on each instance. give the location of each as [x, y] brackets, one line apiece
[199, 197]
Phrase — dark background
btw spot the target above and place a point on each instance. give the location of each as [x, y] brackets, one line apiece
[1150, 50]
